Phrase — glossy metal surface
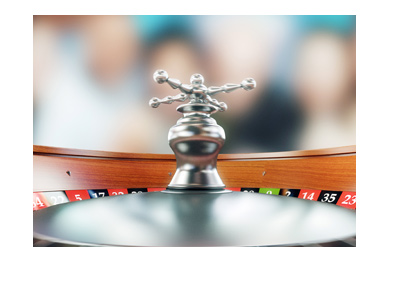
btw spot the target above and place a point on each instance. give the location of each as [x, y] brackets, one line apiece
[196, 91]
[194, 219]
[196, 139]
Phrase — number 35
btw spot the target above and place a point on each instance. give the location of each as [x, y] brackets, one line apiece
[328, 198]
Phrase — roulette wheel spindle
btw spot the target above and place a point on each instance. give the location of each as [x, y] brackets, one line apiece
[195, 209]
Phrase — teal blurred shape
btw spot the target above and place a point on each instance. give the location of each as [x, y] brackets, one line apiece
[341, 24]
[153, 26]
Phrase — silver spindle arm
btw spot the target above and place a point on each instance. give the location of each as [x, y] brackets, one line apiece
[196, 91]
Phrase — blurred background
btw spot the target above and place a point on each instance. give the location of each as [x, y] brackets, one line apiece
[93, 79]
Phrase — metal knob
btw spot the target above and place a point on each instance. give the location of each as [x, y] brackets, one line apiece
[196, 91]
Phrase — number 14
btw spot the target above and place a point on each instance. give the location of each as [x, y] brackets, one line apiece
[310, 197]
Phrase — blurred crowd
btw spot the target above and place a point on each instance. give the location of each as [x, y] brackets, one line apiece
[92, 79]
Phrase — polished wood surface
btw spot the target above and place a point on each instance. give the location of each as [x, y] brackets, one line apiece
[69, 169]
[56, 151]
[46, 150]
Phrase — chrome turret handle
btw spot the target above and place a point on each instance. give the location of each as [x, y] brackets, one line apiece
[196, 139]
[196, 91]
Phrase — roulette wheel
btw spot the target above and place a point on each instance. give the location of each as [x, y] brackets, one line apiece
[95, 198]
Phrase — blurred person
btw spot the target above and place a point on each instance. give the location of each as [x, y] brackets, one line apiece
[352, 48]
[45, 44]
[44, 55]
[324, 80]
[111, 47]
[92, 94]
[237, 47]
[350, 112]
[43, 52]
[46, 58]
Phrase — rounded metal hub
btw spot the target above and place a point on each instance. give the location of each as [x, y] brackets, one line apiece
[194, 219]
